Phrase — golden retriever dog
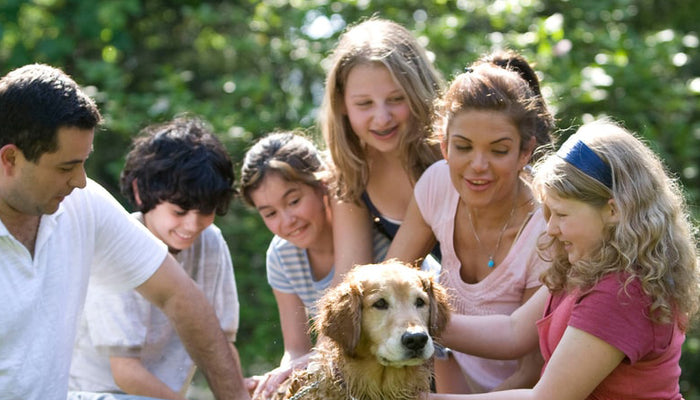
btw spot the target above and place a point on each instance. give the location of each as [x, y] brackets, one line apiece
[376, 333]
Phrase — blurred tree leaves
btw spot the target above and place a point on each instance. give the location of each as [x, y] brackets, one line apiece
[250, 67]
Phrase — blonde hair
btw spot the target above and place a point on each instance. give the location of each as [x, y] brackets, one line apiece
[654, 239]
[383, 42]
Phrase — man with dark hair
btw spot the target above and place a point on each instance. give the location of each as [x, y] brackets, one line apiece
[53, 239]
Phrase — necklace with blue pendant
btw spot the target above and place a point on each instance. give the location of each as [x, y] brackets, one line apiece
[491, 262]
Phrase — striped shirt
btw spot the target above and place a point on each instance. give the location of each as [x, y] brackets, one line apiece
[289, 270]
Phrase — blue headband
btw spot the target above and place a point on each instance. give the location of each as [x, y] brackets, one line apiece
[576, 153]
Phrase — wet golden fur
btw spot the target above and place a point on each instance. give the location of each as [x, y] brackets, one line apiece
[375, 336]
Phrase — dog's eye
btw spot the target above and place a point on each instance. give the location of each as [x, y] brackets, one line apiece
[420, 302]
[381, 304]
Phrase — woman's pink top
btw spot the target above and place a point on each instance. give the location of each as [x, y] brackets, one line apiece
[650, 369]
[500, 292]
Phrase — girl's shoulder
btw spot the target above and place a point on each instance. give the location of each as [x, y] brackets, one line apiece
[620, 288]
[284, 249]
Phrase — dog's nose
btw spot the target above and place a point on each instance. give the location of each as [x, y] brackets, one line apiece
[414, 340]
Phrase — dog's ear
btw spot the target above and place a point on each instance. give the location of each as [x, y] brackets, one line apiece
[340, 316]
[439, 305]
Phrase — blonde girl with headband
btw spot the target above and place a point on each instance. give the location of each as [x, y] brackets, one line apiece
[623, 284]
[284, 178]
[375, 119]
[478, 204]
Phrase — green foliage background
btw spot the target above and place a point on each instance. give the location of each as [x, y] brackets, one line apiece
[250, 67]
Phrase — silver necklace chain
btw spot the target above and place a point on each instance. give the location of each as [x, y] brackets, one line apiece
[491, 263]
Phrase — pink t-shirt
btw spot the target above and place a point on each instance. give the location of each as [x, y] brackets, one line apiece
[500, 292]
[650, 369]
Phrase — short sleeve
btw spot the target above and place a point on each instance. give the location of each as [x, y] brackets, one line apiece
[126, 253]
[425, 190]
[276, 273]
[618, 315]
[117, 322]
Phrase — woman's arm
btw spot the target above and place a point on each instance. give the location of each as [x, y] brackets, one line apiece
[504, 337]
[578, 365]
[415, 237]
[352, 237]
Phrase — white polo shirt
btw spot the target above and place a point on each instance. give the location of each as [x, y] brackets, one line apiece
[41, 298]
